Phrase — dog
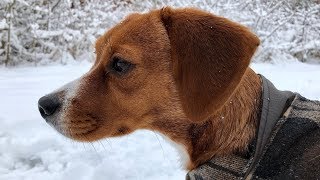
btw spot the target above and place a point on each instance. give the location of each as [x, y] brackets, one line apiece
[185, 74]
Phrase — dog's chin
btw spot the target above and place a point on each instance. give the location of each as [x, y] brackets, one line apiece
[86, 134]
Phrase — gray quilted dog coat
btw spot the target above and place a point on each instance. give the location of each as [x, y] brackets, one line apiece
[287, 145]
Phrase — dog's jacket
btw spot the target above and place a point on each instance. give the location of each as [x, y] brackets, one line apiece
[287, 145]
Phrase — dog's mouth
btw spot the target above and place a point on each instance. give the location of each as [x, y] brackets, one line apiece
[80, 130]
[75, 126]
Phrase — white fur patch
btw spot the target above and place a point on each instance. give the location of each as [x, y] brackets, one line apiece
[71, 90]
[181, 149]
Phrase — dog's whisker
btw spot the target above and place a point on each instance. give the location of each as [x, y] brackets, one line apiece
[67, 131]
[84, 147]
[91, 144]
[164, 157]
[109, 144]
[94, 148]
[100, 142]
[96, 152]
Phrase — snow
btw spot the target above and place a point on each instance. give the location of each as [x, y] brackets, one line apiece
[46, 34]
[296, 77]
[31, 149]
[3, 24]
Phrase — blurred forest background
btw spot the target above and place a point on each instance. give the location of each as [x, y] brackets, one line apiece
[37, 32]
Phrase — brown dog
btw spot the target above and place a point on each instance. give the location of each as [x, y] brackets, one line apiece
[181, 72]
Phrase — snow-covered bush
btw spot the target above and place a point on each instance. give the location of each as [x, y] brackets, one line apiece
[46, 31]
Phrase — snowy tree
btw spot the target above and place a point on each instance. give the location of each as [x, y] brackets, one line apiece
[57, 31]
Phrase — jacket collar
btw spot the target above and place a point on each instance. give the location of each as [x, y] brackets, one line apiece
[274, 103]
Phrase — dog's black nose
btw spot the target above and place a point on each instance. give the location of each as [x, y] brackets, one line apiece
[48, 105]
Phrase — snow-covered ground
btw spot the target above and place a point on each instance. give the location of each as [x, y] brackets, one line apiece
[31, 149]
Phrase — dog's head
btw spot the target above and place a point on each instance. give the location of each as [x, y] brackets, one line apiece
[165, 64]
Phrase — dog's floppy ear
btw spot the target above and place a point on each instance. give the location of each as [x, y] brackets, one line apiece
[210, 55]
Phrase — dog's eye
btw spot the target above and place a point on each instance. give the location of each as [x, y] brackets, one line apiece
[120, 66]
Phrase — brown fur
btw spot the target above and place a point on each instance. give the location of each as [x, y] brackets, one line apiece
[190, 82]
[210, 55]
[228, 131]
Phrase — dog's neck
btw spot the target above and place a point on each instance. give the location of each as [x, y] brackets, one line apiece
[227, 131]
